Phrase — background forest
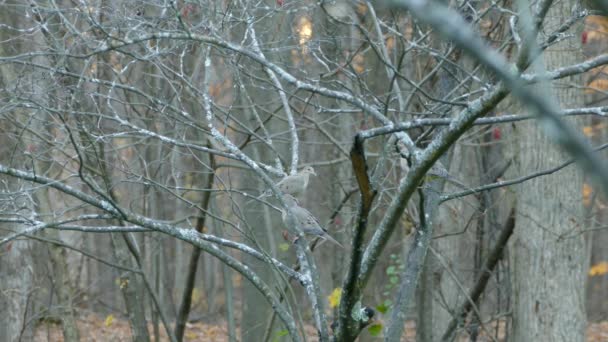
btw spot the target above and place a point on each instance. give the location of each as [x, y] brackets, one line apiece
[454, 149]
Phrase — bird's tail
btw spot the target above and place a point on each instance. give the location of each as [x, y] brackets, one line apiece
[263, 195]
[331, 239]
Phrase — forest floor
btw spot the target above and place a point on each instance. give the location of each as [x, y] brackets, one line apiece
[95, 328]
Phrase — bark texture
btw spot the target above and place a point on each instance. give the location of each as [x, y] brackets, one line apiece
[549, 257]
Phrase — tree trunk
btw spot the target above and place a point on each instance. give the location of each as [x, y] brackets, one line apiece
[457, 221]
[16, 279]
[131, 290]
[597, 306]
[439, 291]
[549, 269]
[17, 266]
[61, 275]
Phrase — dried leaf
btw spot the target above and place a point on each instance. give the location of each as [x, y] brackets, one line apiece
[597, 21]
[359, 64]
[587, 191]
[597, 85]
[599, 269]
[588, 131]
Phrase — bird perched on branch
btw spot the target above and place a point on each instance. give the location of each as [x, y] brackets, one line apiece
[305, 220]
[436, 171]
[294, 185]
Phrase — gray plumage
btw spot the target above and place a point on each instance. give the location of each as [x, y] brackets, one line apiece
[294, 185]
[436, 171]
[305, 220]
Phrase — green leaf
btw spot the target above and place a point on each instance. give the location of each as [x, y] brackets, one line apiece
[280, 334]
[390, 270]
[394, 280]
[375, 329]
[284, 247]
[382, 308]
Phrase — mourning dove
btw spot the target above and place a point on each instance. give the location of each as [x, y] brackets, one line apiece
[305, 220]
[436, 171]
[439, 171]
[294, 185]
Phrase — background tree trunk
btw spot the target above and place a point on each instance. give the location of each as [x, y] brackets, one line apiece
[549, 256]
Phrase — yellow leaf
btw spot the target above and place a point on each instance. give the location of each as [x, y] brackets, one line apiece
[334, 297]
[588, 131]
[358, 64]
[109, 320]
[587, 191]
[599, 269]
[284, 247]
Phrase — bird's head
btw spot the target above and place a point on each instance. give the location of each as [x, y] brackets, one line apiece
[309, 170]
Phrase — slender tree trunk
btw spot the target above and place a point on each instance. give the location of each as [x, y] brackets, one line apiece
[16, 279]
[186, 301]
[61, 276]
[131, 291]
[441, 293]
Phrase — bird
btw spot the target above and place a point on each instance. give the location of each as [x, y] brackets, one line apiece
[294, 185]
[305, 220]
[437, 170]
